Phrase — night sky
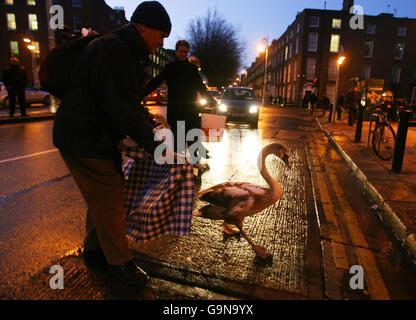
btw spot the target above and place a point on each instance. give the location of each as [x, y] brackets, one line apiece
[256, 19]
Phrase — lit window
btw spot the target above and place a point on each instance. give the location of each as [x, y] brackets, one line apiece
[76, 3]
[336, 23]
[11, 21]
[334, 47]
[314, 21]
[369, 49]
[371, 29]
[310, 68]
[31, 2]
[398, 51]
[9, 2]
[401, 31]
[33, 22]
[14, 48]
[313, 41]
[286, 52]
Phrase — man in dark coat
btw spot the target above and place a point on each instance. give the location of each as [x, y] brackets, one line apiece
[102, 107]
[184, 82]
[15, 81]
[353, 102]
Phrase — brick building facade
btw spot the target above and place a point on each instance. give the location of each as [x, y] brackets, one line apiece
[305, 57]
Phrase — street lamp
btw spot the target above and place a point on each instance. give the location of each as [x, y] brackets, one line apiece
[32, 49]
[264, 48]
[244, 79]
[339, 63]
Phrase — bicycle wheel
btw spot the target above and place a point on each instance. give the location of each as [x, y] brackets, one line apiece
[384, 139]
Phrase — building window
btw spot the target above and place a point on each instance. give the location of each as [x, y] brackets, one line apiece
[395, 75]
[290, 50]
[313, 41]
[297, 45]
[14, 48]
[298, 28]
[336, 23]
[9, 2]
[286, 52]
[314, 21]
[332, 69]
[291, 34]
[77, 23]
[366, 71]
[11, 21]
[31, 2]
[76, 3]
[398, 51]
[369, 49]
[401, 31]
[334, 47]
[33, 22]
[295, 70]
[310, 68]
[371, 29]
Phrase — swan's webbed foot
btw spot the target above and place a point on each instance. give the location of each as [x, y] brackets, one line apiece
[230, 229]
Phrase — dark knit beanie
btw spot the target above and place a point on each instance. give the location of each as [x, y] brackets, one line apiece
[153, 15]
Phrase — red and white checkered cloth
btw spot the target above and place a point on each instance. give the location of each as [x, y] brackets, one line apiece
[158, 198]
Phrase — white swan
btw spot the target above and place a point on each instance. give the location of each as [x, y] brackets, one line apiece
[233, 201]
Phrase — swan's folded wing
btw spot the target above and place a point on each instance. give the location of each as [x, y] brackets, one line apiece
[231, 193]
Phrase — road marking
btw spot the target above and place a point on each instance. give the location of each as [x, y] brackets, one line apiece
[28, 156]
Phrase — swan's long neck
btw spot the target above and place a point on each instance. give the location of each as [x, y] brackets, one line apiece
[261, 163]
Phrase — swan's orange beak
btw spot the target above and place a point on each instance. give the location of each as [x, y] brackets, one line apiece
[286, 160]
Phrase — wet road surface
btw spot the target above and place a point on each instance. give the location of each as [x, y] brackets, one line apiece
[318, 230]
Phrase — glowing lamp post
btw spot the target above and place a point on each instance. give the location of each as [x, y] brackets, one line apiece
[264, 48]
[340, 62]
[32, 49]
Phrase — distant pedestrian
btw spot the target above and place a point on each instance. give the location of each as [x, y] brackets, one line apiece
[103, 107]
[313, 100]
[15, 81]
[184, 82]
[340, 105]
[353, 102]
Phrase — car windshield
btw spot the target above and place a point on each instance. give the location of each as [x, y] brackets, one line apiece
[239, 94]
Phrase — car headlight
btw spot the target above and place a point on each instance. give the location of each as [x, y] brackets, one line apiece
[203, 102]
[222, 107]
[254, 109]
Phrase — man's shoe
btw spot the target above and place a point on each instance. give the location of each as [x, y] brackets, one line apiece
[95, 259]
[128, 273]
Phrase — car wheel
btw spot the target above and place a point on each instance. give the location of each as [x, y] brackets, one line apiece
[47, 101]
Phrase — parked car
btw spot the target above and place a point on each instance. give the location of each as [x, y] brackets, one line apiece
[240, 104]
[32, 96]
[159, 96]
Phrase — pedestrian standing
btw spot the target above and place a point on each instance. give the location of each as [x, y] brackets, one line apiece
[353, 101]
[184, 82]
[340, 105]
[101, 108]
[15, 81]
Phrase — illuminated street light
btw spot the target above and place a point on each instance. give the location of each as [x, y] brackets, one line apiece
[340, 62]
[31, 47]
[27, 40]
[264, 48]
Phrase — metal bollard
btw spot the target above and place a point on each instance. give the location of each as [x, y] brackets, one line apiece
[359, 127]
[400, 145]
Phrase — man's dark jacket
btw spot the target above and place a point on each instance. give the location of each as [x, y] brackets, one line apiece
[184, 83]
[14, 76]
[105, 106]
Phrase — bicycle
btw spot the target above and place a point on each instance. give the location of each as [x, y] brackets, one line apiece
[384, 137]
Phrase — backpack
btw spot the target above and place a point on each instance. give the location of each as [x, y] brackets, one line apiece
[55, 68]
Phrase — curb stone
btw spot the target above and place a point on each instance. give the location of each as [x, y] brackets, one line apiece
[386, 214]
